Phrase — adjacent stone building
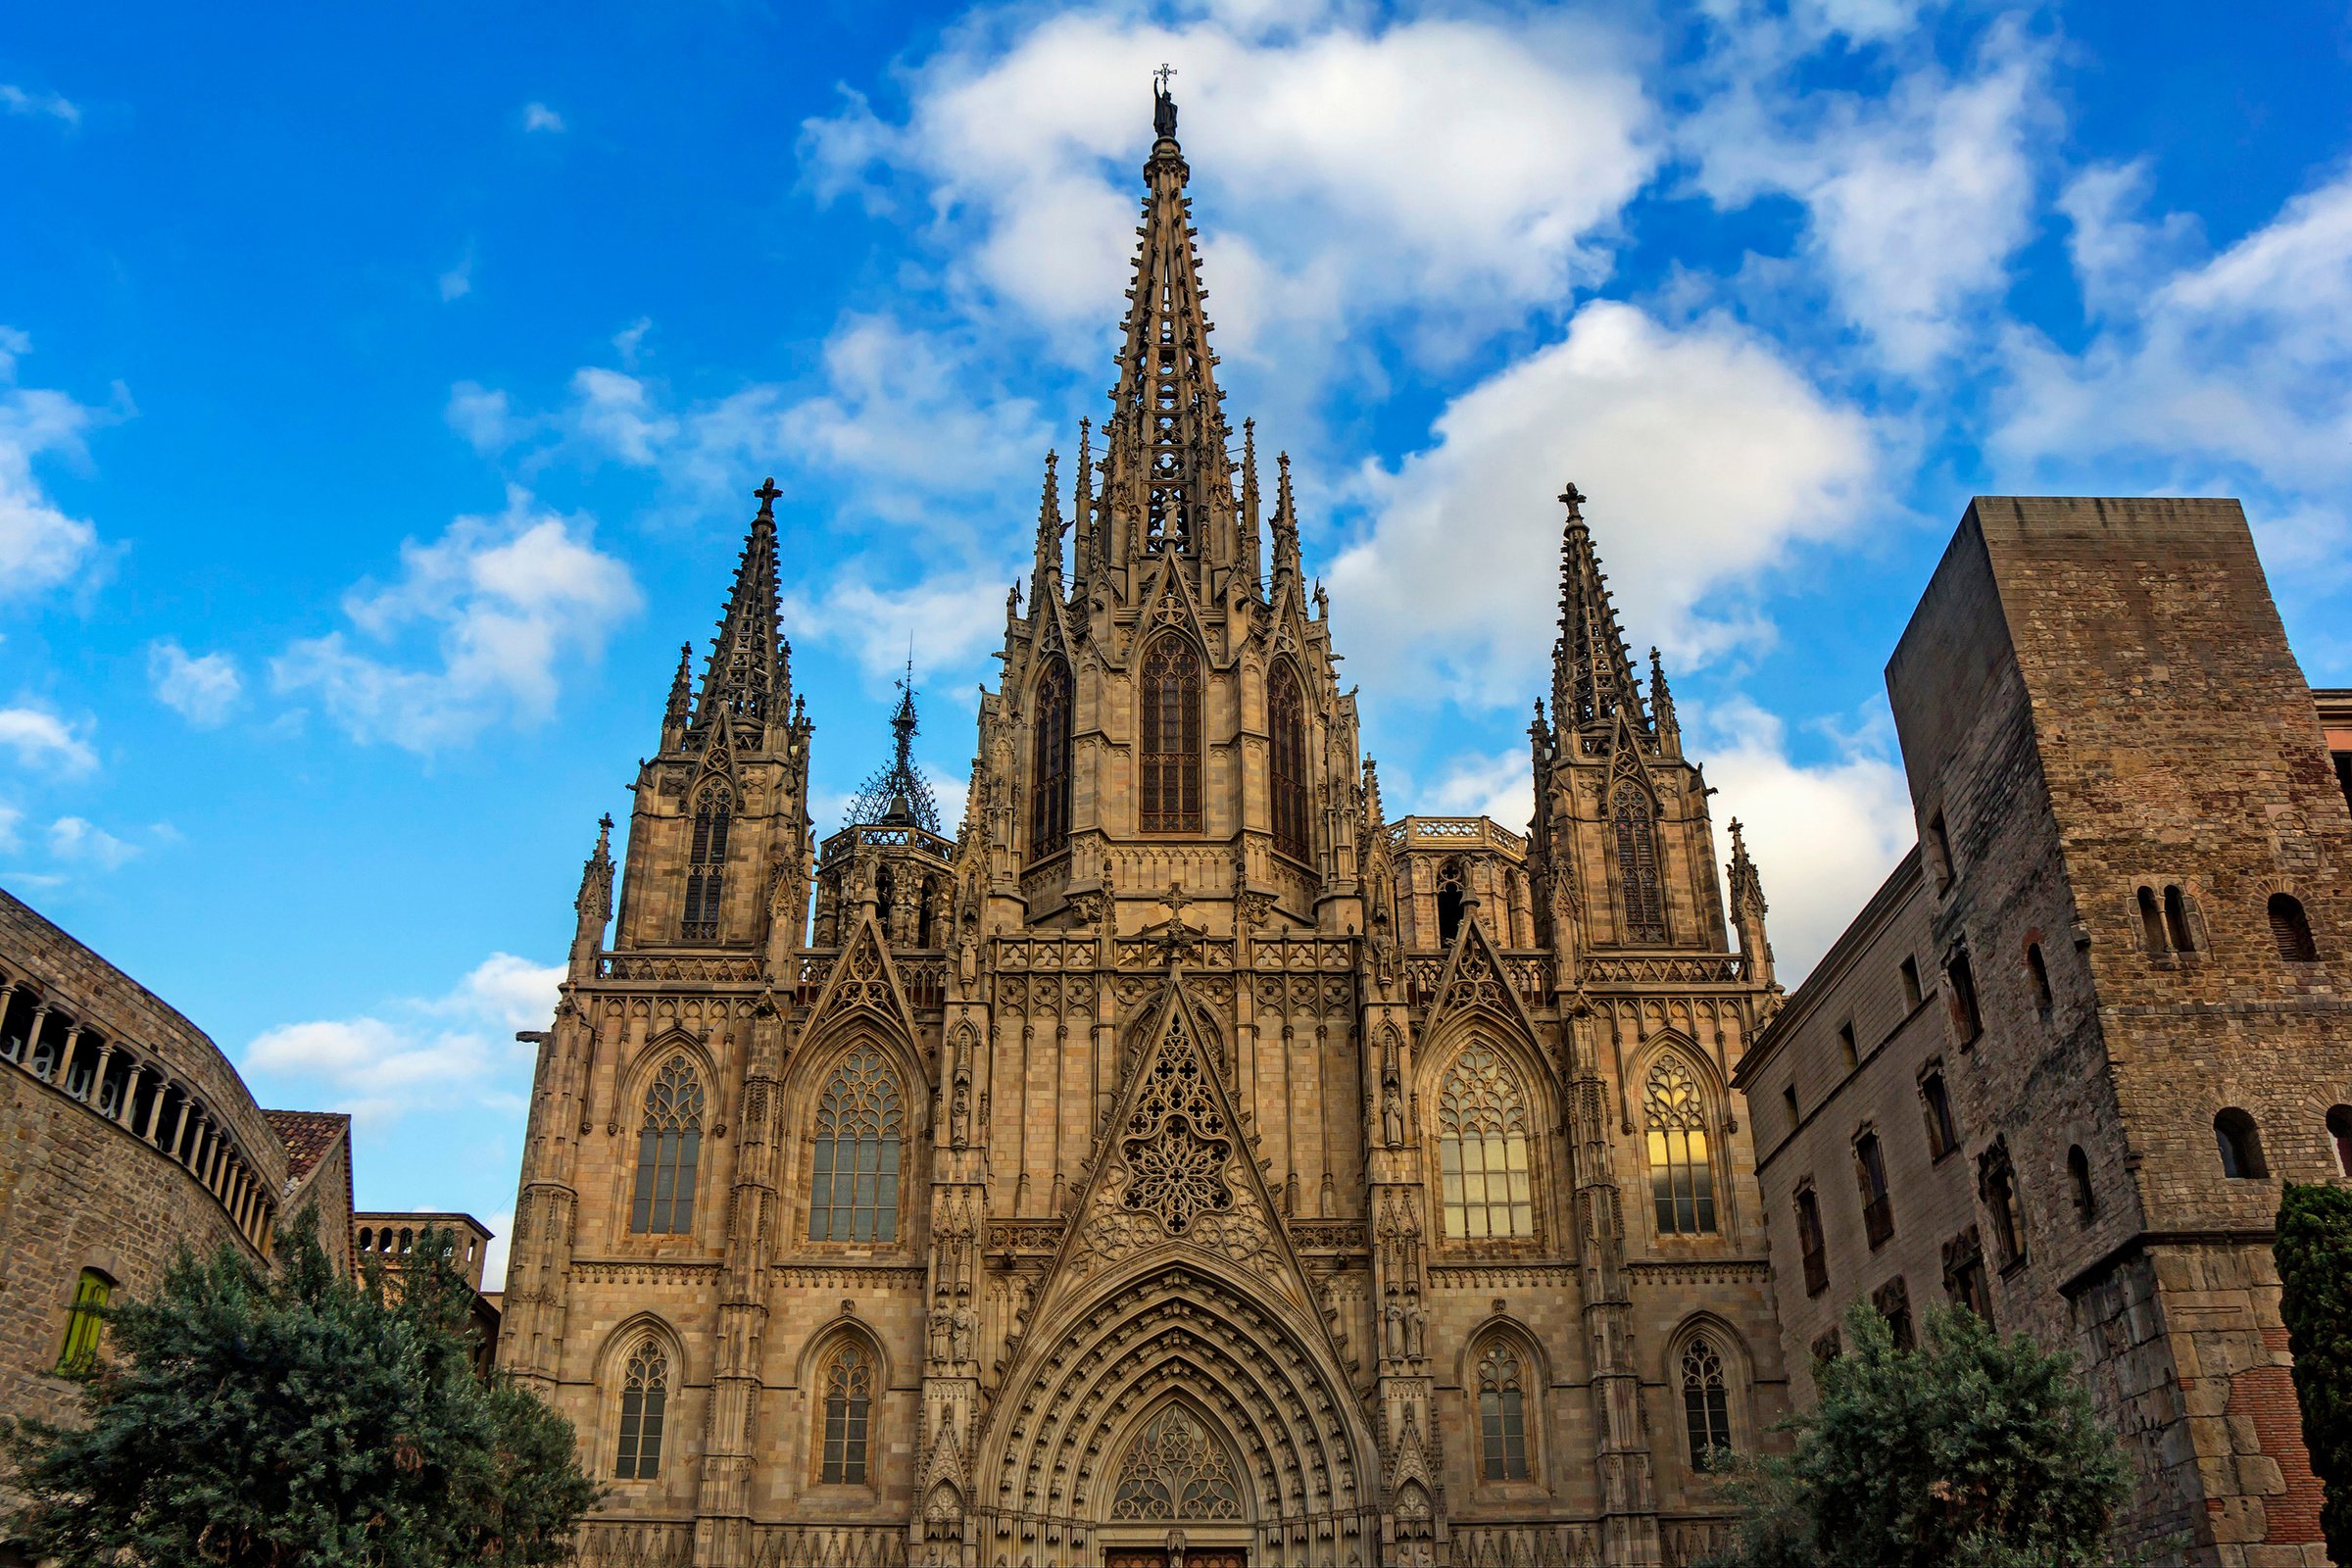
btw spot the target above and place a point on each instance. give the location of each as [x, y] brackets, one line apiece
[2058, 1066]
[1183, 1158]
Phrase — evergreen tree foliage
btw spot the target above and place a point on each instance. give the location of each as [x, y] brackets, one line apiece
[297, 1420]
[2314, 1266]
[1969, 1451]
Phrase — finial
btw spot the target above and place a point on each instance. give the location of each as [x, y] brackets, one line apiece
[604, 834]
[1574, 500]
[768, 493]
[1163, 107]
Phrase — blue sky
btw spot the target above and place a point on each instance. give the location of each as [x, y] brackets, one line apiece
[382, 392]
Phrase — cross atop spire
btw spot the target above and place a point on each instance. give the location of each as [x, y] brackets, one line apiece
[768, 493]
[896, 793]
[1592, 671]
[749, 673]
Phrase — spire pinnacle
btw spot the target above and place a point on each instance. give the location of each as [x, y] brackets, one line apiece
[1661, 699]
[1048, 531]
[1593, 672]
[1285, 521]
[681, 689]
[896, 793]
[747, 674]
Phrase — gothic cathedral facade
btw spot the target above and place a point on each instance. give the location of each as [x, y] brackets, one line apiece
[1185, 1160]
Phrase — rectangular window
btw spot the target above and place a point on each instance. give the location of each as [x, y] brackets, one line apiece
[1846, 1045]
[1809, 1242]
[1788, 1099]
[1965, 1016]
[1911, 991]
[1894, 1302]
[85, 1320]
[1936, 1103]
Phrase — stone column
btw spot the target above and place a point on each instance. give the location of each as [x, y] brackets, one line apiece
[179, 1127]
[33, 1036]
[96, 1098]
[155, 1110]
[130, 1095]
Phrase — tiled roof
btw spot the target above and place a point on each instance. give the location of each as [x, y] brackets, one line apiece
[309, 1135]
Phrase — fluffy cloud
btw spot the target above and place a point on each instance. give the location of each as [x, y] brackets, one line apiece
[45, 105]
[78, 841]
[506, 603]
[1704, 455]
[950, 618]
[457, 281]
[538, 117]
[40, 546]
[42, 740]
[204, 690]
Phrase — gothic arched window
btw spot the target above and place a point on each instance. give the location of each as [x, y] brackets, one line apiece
[1286, 719]
[667, 1146]
[1681, 1166]
[848, 1385]
[1050, 796]
[1483, 1160]
[85, 1322]
[1501, 1413]
[1706, 1406]
[707, 863]
[644, 1400]
[1175, 1470]
[1171, 756]
[1638, 868]
[853, 1193]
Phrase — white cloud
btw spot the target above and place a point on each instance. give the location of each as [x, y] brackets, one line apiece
[204, 690]
[40, 546]
[538, 117]
[9, 817]
[950, 617]
[41, 739]
[481, 416]
[421, 1051]
[1704, 455]
[79, 841]
[629, 339]
[509, 603]
[48, 105]
[1500, 786]
[457, 281]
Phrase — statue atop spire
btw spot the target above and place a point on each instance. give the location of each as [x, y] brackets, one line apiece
[1593, 672]
[1163, 106]
[896, 793]
[748, 675]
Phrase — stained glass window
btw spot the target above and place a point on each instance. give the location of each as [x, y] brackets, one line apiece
[707, 864]
[1175, 1470]
[85, 1321]
[1502, 1415]
[644, 1398]
[1681, 1169]
[1483, 1160]
[1171, 755]
[1706, 1410]
[853, 1193]
[668, 1146]
[1050, 802]
[1286, 713]
[1638, 868]
[849, 1413]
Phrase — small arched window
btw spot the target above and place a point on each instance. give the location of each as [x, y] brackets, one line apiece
[644, 1403]
[707, 863]
[854, 1189]
[2038, 974]
[848, 1385]
[1877, 1204]
[1812, 1248]
[85, 1322]
[2078, 1177]
[1706, 1404]
[1286, 719]
[1638, 868]
[1996, 1182]
[2177, 928]
[2339, 1137]
[669, 1147]
[1449, 902]
[1501, 1413]
[1483, 1162]
[1171, 755]
[2240, 1144]
[1681, 1166]
[2151, 925]
[1049, 801]
[2290, 930]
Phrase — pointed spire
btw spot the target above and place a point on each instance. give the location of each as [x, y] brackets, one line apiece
[1374, 818]
[1249, 523]
[747, 674]
[681, 696]
[1661, 705]
[1286, 523]
[594, 906]
[1048, 535]
[1082, 508]
[897, 793]
[1592, 673]
[1748, 910]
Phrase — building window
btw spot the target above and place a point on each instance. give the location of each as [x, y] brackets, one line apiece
[1893, 1301]
[2151, 925]
[1449, 902]
[1869, 1171]
[2177, 928]
[2078, 1177]
[1286, 715]
[668, 1148]
[1996, 1183]
[1682, 1168]
[1483, 1162]
[1049, 804]
[2290, 930]
[1826, 1348]
[853, 1191]
[1936, 1105]
[707, 864]
[1809, 1242]
[1846, 1045]
[1963, 981]
[1638, 868]
[1908, 971]
[1939, 852]
[1171, 700]
[849, 1383]
[1175, 1470]
[1964, 1281]
[2240, 1143]
[2340, 1134]
[644, 1399]
[1706, 1406]
[1789, 1103]
[1502, 1415]
[85, 1322]
[2038, 974]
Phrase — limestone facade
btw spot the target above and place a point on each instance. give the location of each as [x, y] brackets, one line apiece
[2060, 1064]
[1183, 1155]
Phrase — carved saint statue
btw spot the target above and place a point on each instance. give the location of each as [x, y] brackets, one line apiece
[1392, 1116]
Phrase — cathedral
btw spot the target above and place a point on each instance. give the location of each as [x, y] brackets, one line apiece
[1183, 1161]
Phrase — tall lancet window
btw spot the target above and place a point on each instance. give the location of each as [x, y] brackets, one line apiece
[854, 1191]
[707, 863]
[1286, 717]
[1501, 1413]
[1638, 868]
[1483, 1163]
[668, 1146]
[1171, 702]
[1682, 1173]
[1050, 799]
[644, 1402]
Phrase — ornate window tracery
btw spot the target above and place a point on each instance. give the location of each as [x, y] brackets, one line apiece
[1171, 751]
[1286, 715]
[1638, 868]
[1501, 1413]
[644, 1402]
[1050, 800]
[1483, 1155]
[707, 863]
[854, 1189]
[1175, 1470]
[669, 1147]
[1681, 1165]
[1706, 1406]
[1176, 1146]
[848, 1385]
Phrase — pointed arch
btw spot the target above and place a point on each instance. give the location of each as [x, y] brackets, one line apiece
[1168, 695]
[1503, 1377]
[669, 1140]
[1641, 885]
[849, 1388]
[642, 1366]
[1286, 728]
[1050, 714]
[707, 859]
[1175, 1465]
[858, 1138]
[1485, 1126]
[1708, 1369]
[1681, 1139]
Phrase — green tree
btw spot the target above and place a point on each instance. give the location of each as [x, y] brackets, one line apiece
[2314, 1266]
[1969, 1451]
[297, 1420]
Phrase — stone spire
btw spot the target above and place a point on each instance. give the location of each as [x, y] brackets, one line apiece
[1748, 910]
[1169, 473]
[680, 711]
[896, 792]
[1248, 522]
[1083, 550]
[749, 675]
[1049, 536]
[1592, 673]
[1286, 524]
[594, 906]
[1661, 708]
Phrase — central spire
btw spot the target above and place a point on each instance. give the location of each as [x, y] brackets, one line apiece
[896, 793]
[749, 673]
[1592, 673]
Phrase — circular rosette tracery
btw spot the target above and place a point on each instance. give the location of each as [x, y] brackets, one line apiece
[1177, 1148]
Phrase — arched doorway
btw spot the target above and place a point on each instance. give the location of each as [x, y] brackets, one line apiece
[1176, 1497]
